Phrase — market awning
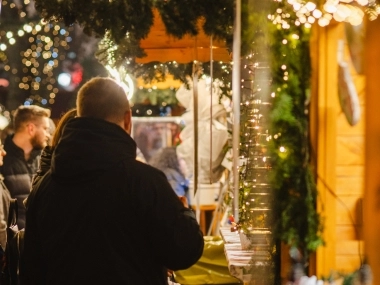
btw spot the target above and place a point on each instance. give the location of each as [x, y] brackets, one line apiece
[161, 47]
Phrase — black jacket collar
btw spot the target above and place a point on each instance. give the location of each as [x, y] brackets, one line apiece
[12, 149]
[89, 146]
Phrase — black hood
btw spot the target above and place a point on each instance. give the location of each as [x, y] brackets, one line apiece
[88, 147]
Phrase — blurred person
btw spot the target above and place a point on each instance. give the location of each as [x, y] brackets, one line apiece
[47, 152]
[168, 162]
[4, 204]
[99, 216]
[23, 147]
[52, 127]
[148, 137]
[16, 248]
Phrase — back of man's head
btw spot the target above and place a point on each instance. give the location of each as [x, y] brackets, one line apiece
[102, 98]
[24, 115]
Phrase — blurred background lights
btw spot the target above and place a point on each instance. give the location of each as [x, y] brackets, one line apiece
[123, 78]
[341, 10]
[64, 79]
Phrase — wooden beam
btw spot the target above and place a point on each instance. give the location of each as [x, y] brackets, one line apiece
[184, 55]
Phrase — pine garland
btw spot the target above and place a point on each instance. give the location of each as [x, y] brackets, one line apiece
[97, 17]
[124, 23]
[178, 18]
[297, 222]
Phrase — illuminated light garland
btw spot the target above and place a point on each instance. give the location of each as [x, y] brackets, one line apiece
[351, 11]
[123, 78]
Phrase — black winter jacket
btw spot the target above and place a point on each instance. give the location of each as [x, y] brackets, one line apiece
[101, 217]
[18, 174]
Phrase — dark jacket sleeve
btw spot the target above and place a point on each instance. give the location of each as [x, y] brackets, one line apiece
[176, 233]
[44, 164]
[32, 265]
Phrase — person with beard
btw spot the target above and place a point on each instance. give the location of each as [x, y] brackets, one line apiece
[23, 147]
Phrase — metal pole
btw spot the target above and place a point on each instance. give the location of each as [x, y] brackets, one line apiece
[211, 89]
[195, 119]
[236, 107]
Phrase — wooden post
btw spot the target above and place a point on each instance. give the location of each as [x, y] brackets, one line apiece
[371, 204]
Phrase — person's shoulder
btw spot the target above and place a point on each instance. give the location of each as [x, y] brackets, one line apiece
[147, 170]
[142, 165]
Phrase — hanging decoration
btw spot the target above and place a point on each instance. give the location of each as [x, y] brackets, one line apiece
[218, 131]
[348, 96]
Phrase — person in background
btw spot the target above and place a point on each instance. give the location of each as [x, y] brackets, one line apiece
[31, 134]
[4, 204]
[168, 162]
[99, 216]
[52, 127]
[47, 152]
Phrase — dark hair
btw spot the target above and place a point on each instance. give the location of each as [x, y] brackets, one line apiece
[61, 124]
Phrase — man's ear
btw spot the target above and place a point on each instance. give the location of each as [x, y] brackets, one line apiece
[128, 121]
[31, 128]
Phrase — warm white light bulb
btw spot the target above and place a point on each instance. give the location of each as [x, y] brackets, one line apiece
[302, 19]
[297, 6]
[317, 13]
[362, 2]
[310, 6]
[329, 7]
[307, 25]
[311, 19]
[323, 22]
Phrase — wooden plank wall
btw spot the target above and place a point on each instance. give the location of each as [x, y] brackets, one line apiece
[339, 156]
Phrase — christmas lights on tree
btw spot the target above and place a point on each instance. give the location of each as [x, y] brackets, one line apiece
[42, 48]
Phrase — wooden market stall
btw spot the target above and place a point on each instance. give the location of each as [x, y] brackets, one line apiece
[347, 157]
[338, 147]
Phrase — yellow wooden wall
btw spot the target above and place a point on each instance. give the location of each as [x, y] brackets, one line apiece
[372, 150]
[338, 156]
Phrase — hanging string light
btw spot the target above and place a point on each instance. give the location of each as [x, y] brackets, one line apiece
[351, 11]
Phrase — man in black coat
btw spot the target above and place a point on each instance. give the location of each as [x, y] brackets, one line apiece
[99, 216]
[31, 135]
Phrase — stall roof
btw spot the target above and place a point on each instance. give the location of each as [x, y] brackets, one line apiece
[161, 47]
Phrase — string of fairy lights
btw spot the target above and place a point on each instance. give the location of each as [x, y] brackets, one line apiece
[43, 46]
[351, 11]
[49, 42]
